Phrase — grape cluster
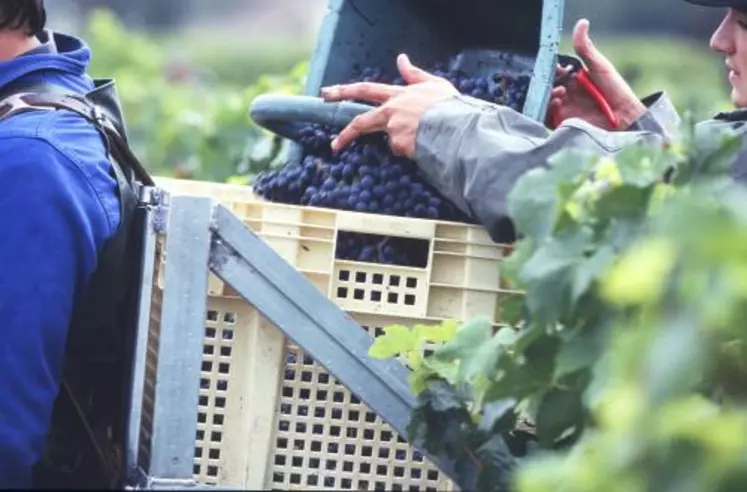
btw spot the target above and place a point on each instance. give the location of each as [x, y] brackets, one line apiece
[367, 178]
[363, 178]
[506, 89]
[370, 248]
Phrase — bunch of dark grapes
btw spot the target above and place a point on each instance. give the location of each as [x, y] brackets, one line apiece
[367, 178]
[370, 248]
[364, 178]
[504, 89]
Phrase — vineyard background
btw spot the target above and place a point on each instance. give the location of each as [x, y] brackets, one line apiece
[187, 70]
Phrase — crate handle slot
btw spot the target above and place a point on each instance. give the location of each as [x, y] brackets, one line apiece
[385, 225]
[283, 114]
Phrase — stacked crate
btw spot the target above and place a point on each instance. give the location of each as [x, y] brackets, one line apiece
[270, 417]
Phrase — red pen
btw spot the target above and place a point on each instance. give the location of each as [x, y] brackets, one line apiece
[582, 75]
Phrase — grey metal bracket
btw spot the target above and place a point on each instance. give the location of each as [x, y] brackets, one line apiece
[203, 235]
[150, 214]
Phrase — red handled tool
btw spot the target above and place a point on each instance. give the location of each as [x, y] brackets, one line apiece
[582, 75]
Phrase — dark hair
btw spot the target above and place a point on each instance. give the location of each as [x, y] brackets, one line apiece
[23, 14]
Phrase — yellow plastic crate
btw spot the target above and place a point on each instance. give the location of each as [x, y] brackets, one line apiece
[219, 191]
[461, 279]
[270, 417]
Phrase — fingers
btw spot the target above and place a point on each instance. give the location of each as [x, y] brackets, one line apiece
[371, 122]
[561, 74]
[585, 47]
[581, 41]
[554, 114]
[558, 93]
[363, 91]
[411, 73]
[562, 70]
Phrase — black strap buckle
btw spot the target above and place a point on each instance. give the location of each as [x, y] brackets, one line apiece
[17, 104]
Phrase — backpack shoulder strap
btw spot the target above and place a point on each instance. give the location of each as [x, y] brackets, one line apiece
[99, 107]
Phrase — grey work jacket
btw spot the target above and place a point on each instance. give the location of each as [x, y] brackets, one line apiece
[474, 152]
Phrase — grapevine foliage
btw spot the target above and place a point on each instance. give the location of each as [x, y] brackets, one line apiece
[181, 121]
[368, 178]
[623, 366]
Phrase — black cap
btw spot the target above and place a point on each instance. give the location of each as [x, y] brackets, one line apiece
[736, 4]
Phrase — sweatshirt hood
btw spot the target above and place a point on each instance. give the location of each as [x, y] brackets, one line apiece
[61, 59]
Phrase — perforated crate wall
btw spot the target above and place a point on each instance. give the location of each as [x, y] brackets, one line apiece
[461, 280]
[242, 356]
[327, 439]
[271, 419]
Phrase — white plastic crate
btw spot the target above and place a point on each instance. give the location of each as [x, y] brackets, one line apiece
[272, 418]
[461, 279]
[219, 191]
[275, 419]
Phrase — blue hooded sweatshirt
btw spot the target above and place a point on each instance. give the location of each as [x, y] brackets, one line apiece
[58, 207]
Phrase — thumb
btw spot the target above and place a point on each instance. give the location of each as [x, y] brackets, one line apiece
[411, 73]
[585, 48]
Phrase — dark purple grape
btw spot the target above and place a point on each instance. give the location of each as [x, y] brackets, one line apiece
[367, 182]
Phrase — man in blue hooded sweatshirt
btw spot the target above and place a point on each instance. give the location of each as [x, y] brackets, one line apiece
[58, 207]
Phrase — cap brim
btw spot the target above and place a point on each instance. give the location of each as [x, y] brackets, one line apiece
[739, 4]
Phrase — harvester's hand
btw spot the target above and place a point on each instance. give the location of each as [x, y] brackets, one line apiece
[572, 100]
[401, 107]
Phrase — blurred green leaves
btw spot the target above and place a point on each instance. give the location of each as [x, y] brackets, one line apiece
[628, 358]
[182, 121]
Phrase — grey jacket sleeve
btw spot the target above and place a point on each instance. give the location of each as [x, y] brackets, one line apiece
[475, 152]
[661, 117]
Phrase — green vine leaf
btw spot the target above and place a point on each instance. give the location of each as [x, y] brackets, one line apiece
[580, 351]
[534, 213]
[498, 466]
[548, 274]
[440, 421]
[395, 341]
[559, 412]
[469, 338]
[445, 332]
[512, 309]
[499, 416]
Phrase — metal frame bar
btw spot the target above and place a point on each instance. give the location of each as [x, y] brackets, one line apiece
[543, 76]
[148, 213]
[181, 338]
[203, 234]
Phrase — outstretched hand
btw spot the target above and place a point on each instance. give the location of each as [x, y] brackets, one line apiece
[572, 101]
[400, 109]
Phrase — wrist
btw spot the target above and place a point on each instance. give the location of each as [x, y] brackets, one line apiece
[630, 112]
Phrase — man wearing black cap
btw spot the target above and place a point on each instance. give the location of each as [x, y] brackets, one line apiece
[58, 208]
[474, 152]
